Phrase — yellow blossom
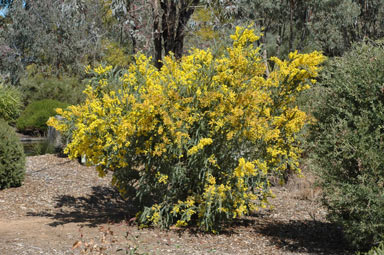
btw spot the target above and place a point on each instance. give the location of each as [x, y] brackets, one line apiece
[205, 130]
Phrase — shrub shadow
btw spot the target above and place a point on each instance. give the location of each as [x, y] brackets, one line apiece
[308, 236]
[103, 205]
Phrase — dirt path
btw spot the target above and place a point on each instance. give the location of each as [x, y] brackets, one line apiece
[34, 236]
[62, 203]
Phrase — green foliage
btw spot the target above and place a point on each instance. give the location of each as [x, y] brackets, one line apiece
[334, 31]
[39, 148]
[12, 158]
[10, 103]
[114, 54]
[62, 36]
[328, 25]
[377, 250]
[348, 142]
[38, 87]
[209, 28]
[36, 114]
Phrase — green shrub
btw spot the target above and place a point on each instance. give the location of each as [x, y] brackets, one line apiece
[33, 119]
[40, 148]
[10, 103]
[376, 250]
[12, 158]
[64, 89]
[348, 143]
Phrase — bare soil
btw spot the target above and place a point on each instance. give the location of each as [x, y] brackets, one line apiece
[63, 204]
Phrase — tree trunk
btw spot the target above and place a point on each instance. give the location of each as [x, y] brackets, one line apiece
[292, 3]
[184, 16]
[169, 31]
[157, 34]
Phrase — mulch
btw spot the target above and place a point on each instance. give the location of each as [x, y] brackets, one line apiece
[65, 193]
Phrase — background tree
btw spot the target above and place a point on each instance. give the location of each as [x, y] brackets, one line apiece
[169, 26]
[57, 37]
[168, 22]
[330, 25]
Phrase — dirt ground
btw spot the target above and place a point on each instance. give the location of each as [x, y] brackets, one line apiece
[65, 208]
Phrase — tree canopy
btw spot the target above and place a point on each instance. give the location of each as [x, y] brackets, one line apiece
[63, 36]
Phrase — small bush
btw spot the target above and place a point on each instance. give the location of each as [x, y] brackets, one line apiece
[40, 148]
[348, 143]
[10, 103]
[12, 158]
[65, 89]
[33, 119]
[196, 141]
[377, 250]
[114, 54]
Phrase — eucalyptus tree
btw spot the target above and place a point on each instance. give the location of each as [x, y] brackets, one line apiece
[161, 26]
[328, 25]
[58, 36]
[4, 4]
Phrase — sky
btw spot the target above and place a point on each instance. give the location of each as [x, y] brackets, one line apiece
[4, 10]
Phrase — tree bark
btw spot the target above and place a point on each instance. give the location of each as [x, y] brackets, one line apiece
[157, 34]
[185, 14]
[169, 30]
[291, 6]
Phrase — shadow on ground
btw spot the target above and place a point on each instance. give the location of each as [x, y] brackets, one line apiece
[103, 205]
[306, 236]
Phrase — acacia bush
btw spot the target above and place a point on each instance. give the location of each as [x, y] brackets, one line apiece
[196, 141]
[12, 157]
[348, 143]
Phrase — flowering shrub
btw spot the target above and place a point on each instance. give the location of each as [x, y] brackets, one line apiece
[197, 140]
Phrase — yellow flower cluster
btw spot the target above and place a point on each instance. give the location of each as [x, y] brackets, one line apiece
[102, 70]
[199, 146]
[162, 178]
[204, 133]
